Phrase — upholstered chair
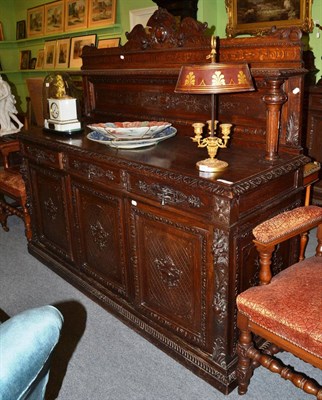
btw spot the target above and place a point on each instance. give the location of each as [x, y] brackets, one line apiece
[285, 310]
[27, 342]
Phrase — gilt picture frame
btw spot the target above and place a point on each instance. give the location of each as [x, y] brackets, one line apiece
[76, 14]
[76, 46]
[40, 59]
[54, 17]
[35, 21]
[108, 43]
[101, 13]
[62, 53]
[256, 17]
[50, 54]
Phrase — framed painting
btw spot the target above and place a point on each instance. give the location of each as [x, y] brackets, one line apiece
[35, 21]
[40, 59]
[25, 59]
[54, 17]
[260, 16]
[76, 14]
[101, 13]
[21, 30]
[107, 43]
[50, 54]
[62, 53]
[76, 47]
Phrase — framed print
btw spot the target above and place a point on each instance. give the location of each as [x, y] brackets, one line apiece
[62, 53]
[1, 31]
[21, 30]
[260, 16]
[32, 63]
[106, 43]
[101, 13]
[40, 59]
[54, 17]
[76, 14]
[35, 21]
[25, 59]
[76, 46]
[50, 54]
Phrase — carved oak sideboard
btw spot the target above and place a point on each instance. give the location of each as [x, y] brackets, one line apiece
[163, 247]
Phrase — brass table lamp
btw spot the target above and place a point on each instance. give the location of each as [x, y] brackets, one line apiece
[213, 78]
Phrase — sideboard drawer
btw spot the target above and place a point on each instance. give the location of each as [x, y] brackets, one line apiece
[43, 156]
[168, 194]
[93, 171]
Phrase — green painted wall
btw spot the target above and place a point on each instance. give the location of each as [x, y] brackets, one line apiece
[211, 11]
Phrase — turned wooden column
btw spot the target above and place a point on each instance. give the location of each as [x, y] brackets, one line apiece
[274, 99]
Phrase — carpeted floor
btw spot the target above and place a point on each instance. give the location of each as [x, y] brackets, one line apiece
[98, 357]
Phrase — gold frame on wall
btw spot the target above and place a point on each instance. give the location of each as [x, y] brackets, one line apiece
[54, 17]
[76, 14]
[108, 43]
[76, 46]
[35, 21]
[62, 53]
[101, 17]
[50, 54]
[245, 18]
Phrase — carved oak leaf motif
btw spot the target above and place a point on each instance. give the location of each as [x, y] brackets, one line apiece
[170, 274]
[51, 209]
[100, 236]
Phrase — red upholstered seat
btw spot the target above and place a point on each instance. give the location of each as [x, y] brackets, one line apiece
[284, 310]
[269, 306]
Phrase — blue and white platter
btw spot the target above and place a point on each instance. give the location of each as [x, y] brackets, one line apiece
[126, 144]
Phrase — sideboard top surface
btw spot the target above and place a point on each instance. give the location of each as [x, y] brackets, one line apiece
[176, 157]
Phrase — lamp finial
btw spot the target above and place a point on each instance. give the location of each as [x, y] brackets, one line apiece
[213, 52]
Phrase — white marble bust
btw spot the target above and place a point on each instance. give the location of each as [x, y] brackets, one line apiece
[9, 122]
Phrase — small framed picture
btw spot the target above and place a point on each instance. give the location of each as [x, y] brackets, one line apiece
[76, 47]
[32, 63]
[1, 31]
[40, 59]
[76, 14]
[35, 21]
[101, 13]
[50, 54]
[25, 59]
[62, 53]
[107, 43]
[21, 30]
[54, 17]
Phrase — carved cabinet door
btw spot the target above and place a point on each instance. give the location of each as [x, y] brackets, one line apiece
[51, 226]
[172, 272]
[100, 238]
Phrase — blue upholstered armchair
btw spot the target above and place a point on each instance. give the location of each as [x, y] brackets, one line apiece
[27, 341]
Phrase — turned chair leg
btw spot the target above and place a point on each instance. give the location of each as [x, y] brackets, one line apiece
[244, 367]
[3, 218]
[27, 220]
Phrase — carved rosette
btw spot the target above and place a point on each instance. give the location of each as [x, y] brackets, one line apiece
[169, 273]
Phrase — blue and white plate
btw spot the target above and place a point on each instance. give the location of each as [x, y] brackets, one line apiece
[99, 137]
